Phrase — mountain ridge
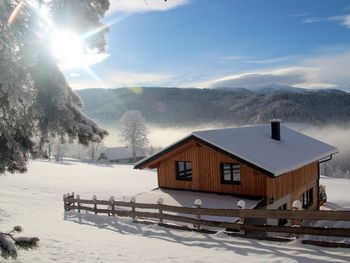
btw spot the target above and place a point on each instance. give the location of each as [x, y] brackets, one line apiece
[184, 106]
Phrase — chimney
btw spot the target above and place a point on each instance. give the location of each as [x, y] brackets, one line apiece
[275, 129]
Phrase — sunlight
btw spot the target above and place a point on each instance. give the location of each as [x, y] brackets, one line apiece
[67, 49]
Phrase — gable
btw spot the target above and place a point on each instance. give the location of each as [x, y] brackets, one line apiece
[186, 144]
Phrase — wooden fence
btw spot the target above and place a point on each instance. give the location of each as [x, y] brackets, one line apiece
[194, 216]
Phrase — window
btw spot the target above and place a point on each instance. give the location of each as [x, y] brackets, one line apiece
[184, 170]
[230, 173]
[308, 198]
[282, 221]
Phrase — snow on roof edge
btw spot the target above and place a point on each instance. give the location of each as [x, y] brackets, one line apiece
[320, 157]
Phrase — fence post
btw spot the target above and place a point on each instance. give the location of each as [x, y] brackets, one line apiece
[94, 198]
[296, 206]
[241, 205]
[111, 199]
[65, 203]
[160, 203]
[78, 202]
[198, 204]
[132, 201]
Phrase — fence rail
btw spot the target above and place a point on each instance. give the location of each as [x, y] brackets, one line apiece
[193, 215]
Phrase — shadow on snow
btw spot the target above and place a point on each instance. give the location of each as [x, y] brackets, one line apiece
[220, 241]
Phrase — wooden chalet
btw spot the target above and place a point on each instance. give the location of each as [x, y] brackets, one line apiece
[271, 162]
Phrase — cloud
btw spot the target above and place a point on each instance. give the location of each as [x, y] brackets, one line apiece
[128, 78]
[233, 57]
[290, 76]
[346, 21]
[343, 20]
[84, 61]
[323, 71]
[117, 79]
[270, 60]
[142, 6]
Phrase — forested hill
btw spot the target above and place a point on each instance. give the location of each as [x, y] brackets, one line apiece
[177, 106]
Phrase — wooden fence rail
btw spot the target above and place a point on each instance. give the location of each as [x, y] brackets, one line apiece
[192, 215]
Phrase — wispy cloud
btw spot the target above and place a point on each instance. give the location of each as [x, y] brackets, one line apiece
[343, 20]
[142, 6]
[232, 57]
[270, 60]
[302, 14]
[346, 21]
[309, 20]
[322, 71]
[117, 79]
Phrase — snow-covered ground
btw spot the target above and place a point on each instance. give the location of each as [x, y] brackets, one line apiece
[34, 200]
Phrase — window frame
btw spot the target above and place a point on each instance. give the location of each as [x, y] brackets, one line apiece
[308, 198]
[184, 177]
[232, 172]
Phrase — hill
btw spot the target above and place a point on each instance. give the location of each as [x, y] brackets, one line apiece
[179, 106]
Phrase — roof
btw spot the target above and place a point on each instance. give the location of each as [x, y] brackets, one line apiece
[254, 145]
[118, 153]
[186, 199]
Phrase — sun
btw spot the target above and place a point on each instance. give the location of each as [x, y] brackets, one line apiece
[70, 53]
[68, 49]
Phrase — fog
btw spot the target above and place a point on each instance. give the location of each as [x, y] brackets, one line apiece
[334, 135]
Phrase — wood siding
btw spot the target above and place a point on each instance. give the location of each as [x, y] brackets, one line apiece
[206, 175]
[295, 183]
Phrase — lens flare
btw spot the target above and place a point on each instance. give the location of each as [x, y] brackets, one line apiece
[15, 12]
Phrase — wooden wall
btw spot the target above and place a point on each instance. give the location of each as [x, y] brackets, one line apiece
[295, 183]
[206, 175]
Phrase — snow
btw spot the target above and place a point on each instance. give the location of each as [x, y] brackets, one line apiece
[253, 144]
[34, 201]
[187, 199]
[337, 190]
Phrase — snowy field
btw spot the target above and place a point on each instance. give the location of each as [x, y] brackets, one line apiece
[34, 200]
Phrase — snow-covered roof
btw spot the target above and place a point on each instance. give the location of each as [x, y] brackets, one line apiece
[254, 145]
[118, 153]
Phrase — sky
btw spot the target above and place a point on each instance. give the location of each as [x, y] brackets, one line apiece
[213, 43]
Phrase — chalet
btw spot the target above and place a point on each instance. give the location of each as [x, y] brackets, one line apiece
[271, 162]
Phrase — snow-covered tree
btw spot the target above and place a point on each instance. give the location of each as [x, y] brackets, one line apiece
[36, 102]
[134, 131]
[93, 149]
[153, 149]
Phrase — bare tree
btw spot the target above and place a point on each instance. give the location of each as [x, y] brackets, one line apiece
[134, 131]
[93, 149]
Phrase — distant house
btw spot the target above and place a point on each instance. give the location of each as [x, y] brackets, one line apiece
[271, 162]
[120, 155]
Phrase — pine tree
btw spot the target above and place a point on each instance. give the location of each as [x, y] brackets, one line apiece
[36, 102]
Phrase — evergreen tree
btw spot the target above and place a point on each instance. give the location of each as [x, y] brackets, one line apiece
[36, 102]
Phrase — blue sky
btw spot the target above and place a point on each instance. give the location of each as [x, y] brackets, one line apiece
[208, 43]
